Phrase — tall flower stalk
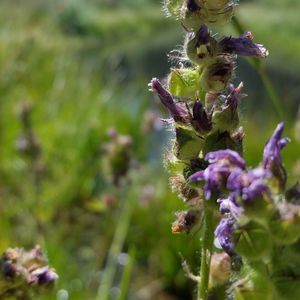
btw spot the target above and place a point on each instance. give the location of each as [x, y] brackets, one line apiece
[249, 222]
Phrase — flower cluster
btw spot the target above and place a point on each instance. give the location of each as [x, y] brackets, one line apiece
[25, 273]
[243, 195]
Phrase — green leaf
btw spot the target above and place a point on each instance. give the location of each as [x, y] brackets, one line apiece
[184, 83]
[188, 145]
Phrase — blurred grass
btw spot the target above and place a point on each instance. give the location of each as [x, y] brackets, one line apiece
[84, 65]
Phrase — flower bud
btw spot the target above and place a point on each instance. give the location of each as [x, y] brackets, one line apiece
[219, 269]
[253, 241]
[179, 185]
[201, 121]
[200, 46]
[227, 118]
[215, 76]
[177, 111]
[194, 13]
[186, 221]
[272, 160]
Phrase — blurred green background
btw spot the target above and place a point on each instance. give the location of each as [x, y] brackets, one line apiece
[84, 66]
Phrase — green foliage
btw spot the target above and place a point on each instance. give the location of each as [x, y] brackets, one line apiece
[84, 68]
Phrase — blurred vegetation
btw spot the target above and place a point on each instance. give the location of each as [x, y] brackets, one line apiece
[82, 67]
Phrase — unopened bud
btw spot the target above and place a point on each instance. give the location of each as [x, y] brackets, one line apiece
[219, 269]
[215, 76]
[186, 221]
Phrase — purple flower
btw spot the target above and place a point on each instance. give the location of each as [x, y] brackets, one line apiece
[230, 206]
[222, 163]
[200, 120]
[226, 157]
[272, 156]
[178, 112]
[224, 234]
[43, 276]
[248, 184]
[243, 45]
[235, 94]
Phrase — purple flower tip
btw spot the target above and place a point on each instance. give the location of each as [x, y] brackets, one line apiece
[235, 94]
[201, 121]
[178, 112]
[273, 147]
[243, 45]
[197, 176]
[44, 276]
[249, 185]
[231, 156]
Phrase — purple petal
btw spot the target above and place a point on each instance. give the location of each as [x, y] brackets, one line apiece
[201, 121]
[229, 205]
[232, 156]
[274, 145]
[202, 35]
[243, 45]
[197, 176]
[233, 98]
[224, 234]
[178, 112]
[256, 189]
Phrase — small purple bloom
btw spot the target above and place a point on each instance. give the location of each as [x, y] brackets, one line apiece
[273, 147]
[224, 234]
[232, 158]
[178, 112]
[222, 163]
[248, 184]
[243, 45]
[229, 206]
[44, 276]
[235, 94]
[214, 176]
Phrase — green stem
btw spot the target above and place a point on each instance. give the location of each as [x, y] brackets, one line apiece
[115, 249]
[124, 286]
[207, 244]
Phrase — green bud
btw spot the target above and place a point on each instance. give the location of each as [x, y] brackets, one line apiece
[253, 241]
[184, 82]
[173, 7]
[188, 145]
[219, 269]
[194, 13]
[200, 54]
[215, 76]
[226, 120]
